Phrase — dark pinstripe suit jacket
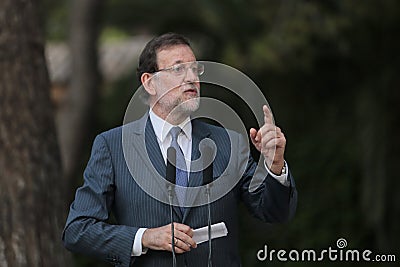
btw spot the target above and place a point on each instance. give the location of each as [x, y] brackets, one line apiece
[109, 187]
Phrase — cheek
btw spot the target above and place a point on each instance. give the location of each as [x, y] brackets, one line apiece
[168, 93]
[169, 87]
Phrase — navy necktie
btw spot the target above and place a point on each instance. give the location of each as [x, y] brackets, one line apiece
[181, 169]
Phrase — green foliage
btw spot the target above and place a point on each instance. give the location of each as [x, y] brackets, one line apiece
[56, 19]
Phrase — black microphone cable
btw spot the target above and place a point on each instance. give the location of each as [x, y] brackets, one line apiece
[171, 178]
[207, 179]
[209, 226]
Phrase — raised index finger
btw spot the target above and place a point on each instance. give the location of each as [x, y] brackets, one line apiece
[267, 115]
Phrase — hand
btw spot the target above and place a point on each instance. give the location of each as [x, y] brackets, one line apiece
[271, 142]
[160, 238]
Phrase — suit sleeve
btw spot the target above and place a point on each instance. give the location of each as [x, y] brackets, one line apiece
[270, 201]
[87, 230]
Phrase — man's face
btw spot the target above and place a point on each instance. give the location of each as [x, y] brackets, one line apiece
[175, 90]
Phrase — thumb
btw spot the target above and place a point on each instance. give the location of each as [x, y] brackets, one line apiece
[253, 135]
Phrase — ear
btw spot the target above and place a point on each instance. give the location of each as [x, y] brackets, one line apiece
[146, 80]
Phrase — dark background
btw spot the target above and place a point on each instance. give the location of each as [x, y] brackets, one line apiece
[330, 72]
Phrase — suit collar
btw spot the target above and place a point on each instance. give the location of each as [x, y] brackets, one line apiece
[162, 127]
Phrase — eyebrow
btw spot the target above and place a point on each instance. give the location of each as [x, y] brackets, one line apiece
[178, 62]
[174, 63]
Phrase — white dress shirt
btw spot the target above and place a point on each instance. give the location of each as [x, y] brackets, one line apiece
[161, 129]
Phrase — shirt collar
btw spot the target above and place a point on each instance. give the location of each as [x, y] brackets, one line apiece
[162, 127]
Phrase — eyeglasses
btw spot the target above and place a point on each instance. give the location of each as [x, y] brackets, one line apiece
[182, 68]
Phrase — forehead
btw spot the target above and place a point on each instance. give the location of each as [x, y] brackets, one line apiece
[172, 55]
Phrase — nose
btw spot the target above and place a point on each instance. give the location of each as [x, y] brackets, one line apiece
[191, 75]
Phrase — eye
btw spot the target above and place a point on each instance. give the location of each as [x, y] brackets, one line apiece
[195, 69]
[198, 69]
[178, 69]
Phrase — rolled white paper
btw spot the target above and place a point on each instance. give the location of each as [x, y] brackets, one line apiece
[200, 235]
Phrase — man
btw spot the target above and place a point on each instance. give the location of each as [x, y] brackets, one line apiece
[142, 235]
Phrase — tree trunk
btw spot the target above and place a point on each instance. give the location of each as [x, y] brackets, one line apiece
[76, 115]
[31, 199]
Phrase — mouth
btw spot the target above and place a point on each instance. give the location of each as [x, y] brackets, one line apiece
[192, 90]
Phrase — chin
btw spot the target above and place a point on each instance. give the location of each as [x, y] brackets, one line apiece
[191, 105]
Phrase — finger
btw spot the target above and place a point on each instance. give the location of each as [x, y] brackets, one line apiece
[253, 134]
[259, 136]
[185, 233]
[186, 239]
[270, 144]
[267, 115]
[178, 250]
[275, 133]
[274, 143]
[267, 137]
[183, 228]
[267, 128]
[182, 245]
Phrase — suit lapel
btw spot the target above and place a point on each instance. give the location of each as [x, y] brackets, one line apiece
[153, 149]
[199, 132]
[147, 147]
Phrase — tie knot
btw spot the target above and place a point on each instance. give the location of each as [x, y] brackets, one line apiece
[175, 131]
